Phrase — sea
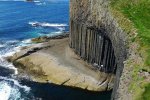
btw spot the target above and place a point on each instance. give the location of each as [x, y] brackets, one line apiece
[19, 22]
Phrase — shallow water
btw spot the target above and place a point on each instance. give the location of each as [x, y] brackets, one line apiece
[19, 22]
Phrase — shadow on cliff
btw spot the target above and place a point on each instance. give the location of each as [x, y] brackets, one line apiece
[48, 91]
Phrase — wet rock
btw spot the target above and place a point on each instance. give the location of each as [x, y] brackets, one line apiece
[40, 39]
[46, 38]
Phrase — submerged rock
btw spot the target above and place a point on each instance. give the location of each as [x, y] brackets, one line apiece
[6, 71]
[40, 39]
[46, 38]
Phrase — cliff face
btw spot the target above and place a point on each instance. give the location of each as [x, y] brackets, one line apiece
[96, 36]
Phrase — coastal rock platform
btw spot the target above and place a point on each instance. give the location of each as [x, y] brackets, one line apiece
[53, 61]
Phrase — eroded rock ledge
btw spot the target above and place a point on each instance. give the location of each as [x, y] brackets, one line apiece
[54, 62]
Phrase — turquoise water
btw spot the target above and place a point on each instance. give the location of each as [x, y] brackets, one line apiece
[19, 22]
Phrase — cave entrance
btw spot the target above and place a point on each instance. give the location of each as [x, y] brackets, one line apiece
[93, 46]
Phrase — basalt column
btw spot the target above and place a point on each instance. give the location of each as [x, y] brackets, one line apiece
[93, 46]
[96, 37]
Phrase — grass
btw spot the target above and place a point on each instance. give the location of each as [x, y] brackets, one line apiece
[134, 18]
[146, 93]
[138, 12]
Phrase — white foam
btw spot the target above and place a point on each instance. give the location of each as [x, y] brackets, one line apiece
[36, 1]
[40, 3]
[18, 0]
[15, 94]
[13, 67]
[61, 28]
[5, 91]
[12, 41]
[26, 88]
[53, 25]
[27, 41]
[55, 33]
[40, 34]
[9, 54]
[2, 45]
[13, 51]
[12, 0]
[44, 24]
[5, 63]
[10, 89]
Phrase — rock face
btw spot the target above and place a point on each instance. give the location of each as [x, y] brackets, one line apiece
[46, 38]
[97, 38]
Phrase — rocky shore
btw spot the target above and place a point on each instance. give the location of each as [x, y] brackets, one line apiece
[50, 60]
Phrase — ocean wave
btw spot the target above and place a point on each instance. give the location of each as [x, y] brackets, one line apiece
[60, 27]
[44, 24]
[40, 3]
[51, 33]
[12, 51]
[5, 90]
[2, 45]
[6, 64]
[10, 89]
[11, 47]
[15, 82]
[12, 0]
[12, 42]
[55, 33]
[36, 1]
[26, 41]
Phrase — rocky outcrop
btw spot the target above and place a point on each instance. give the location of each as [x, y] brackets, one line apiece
[54, 62]
[46, 38]
[96, 36]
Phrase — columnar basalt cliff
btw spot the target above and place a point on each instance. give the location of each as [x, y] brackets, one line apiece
[97, 38]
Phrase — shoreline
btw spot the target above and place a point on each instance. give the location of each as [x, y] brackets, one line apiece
[50, 60]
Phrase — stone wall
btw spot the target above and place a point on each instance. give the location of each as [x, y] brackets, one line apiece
[96, 36]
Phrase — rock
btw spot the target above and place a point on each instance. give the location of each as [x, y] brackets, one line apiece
[91, 23]
[46, 38]
[40, 39]
[59, 65]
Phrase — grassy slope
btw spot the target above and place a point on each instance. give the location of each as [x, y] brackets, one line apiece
[134, 17]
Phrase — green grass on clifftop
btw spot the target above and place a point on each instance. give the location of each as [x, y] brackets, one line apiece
[146, 94]
[137, 11]
[134, 18]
